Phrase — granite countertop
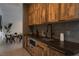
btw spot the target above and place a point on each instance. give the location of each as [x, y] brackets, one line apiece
[66, 47]
[72, 46]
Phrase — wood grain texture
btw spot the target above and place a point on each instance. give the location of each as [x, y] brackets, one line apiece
[67, 11]
[52, 12]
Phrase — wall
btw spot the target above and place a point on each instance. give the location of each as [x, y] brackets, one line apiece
[1, 13]
[13, 14]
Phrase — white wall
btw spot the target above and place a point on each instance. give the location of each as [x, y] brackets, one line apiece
[1, 12]
[13, 13]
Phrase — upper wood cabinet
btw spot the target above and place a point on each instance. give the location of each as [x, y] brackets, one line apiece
[52, 12]
[67, 11]
[39, 14]
[36, 14]
[77, 10]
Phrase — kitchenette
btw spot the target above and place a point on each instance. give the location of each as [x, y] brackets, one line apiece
[51, 29]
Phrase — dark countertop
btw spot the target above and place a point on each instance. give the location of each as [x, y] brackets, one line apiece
[72, 46]
[66, 47]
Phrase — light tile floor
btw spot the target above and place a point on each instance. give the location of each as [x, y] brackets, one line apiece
[15, 52]
[14, 49]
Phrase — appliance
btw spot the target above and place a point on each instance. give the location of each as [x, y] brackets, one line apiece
[32, 42]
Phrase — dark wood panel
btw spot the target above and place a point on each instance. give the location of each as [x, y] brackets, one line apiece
[67, 11]
[36, 14]
[55, 53]
[52, 12]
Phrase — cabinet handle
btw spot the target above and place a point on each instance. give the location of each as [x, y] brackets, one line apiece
[40, 46]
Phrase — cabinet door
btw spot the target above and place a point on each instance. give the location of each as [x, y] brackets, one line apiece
[53, 52]
[32, 19]
[37, 51]
[31, 14]
[37, 14]
[25, 42]
[42, 49]
[77, 10]
[53, 12]
[37, 17]
[29, 20]
[40, 14]
[67, 11]
[31, 8]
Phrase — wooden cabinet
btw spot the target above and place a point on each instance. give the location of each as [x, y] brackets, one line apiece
[63, 11]
[36, 14]
[77, 10]
[42, 48]
[25, 25]
[67, 11]
[53, 52]
[39, 50]
[30, 22]
[25, 42]
[52, 12]
[41, 14]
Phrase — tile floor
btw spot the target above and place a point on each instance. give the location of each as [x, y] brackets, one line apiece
[14, 49]
[15, 52]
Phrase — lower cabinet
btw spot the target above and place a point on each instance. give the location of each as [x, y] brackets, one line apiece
[42, 49]
[39, 50]
[53, 52]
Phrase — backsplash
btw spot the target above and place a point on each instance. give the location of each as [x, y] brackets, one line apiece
[70, 29]
[64, 27]
[72, 35]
